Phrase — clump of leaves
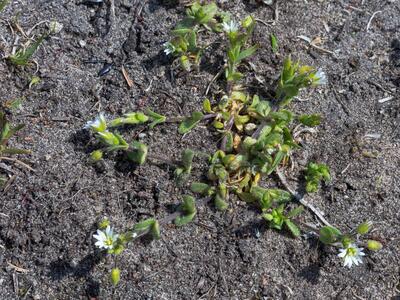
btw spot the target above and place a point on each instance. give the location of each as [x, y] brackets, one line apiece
[6, 132]
[315, 173]
[277, 218]
[184, 42]
[295, 77]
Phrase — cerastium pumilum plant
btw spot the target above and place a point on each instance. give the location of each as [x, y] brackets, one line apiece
[256, 140]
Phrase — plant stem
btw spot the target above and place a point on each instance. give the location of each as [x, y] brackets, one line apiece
[168, 161]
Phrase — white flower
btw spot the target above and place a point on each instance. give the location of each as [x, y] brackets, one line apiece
[169, 48]
[105, 239]
[98, 125]
[351, 255]
[320, 78]
[232, 26]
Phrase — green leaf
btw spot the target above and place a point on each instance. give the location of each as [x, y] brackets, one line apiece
[144, 225]
[207, 13]
[246, 53]
[292, 227]
[139, 152]
[207, 106]
[15, 103]
[188, 206]
[268, 217]
[274, 43]
[22, 56]
[310, 120]
[185, 63]
[7, 132]
[247, 197]
[229, 142]
[277, 160]
[314, 174]
[155, 118]
[329, 235]
[200, 188]
[187, 159]
[295, 212]
[183, 220]
[155, 230]
[220, 203]
[190, 122]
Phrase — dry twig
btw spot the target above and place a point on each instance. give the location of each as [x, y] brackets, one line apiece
[301, 199]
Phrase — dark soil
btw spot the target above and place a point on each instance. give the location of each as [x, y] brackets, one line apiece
[48, 216]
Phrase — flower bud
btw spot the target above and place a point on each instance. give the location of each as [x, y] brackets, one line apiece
[374, 245]
[363, 228]
[104, 223]
[247, 22]
[96, 155]
[115, 276]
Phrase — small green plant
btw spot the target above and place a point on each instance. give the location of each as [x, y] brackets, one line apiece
[314, 174]
[7, 131]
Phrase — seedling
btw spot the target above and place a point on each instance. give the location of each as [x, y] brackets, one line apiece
[295, 77]
[7, 131]
[112, 141]
[236, 50]
[184, 42]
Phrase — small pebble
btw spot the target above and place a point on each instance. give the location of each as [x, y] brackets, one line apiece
[82, 43]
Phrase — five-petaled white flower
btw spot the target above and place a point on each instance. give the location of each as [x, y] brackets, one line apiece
[351, 255]
[169, 48]
[232, 26]
[320, 78]
[98, 125]
[105, 239]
